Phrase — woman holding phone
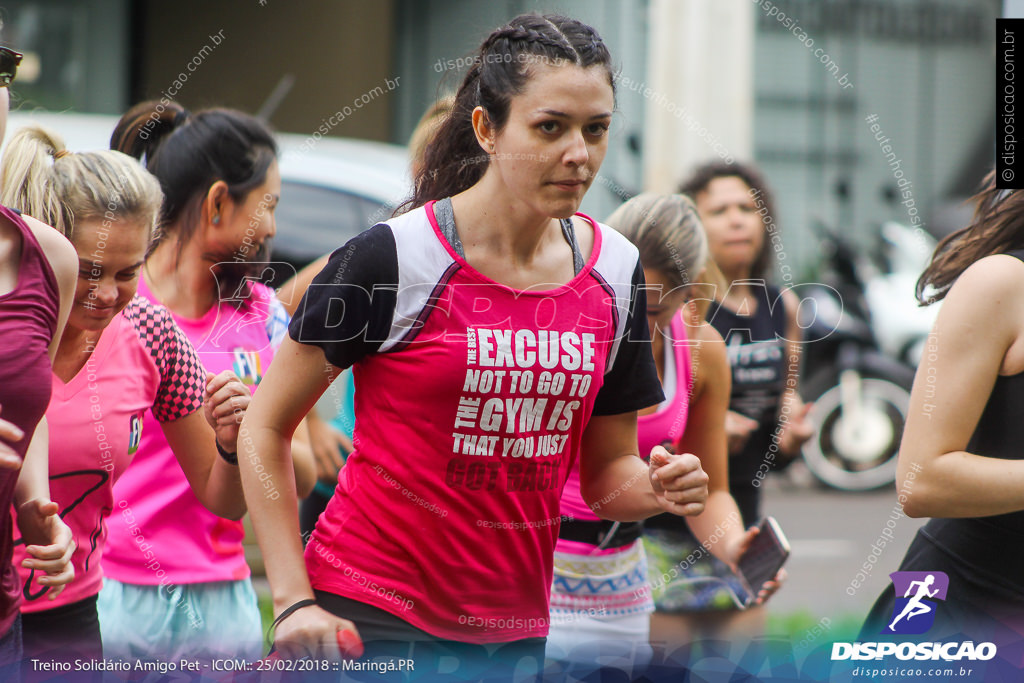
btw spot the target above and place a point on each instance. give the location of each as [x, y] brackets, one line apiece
[602, 596]
[767, 422]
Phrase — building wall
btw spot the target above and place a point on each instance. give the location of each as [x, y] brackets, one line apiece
[337, 53]
[922, 69]
[76, 55]
[698, 90]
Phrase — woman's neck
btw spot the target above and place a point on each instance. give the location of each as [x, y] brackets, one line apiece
[658, 349]
[73, 352]
[737, 273]
[738, 296]
[502, 225]
[183, 283]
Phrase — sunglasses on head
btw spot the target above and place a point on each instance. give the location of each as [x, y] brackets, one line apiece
[9, 61]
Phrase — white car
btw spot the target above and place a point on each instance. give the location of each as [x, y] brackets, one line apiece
[331, 188]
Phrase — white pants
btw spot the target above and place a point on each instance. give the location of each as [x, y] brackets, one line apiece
[580, 643]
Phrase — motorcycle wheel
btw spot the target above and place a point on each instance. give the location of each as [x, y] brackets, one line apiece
[857, 456]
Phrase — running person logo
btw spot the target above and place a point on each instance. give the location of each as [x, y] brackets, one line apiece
[914, 612]
[134, 434]
[247, 366]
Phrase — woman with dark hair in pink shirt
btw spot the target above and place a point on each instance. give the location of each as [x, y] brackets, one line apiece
[219, 175]
[494, 334]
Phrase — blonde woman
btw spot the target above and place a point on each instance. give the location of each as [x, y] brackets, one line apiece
[120, 358]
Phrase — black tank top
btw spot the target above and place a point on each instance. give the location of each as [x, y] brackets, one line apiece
[756, 348]
[756, 351]
[994, 543]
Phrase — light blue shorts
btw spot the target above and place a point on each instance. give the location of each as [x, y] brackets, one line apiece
[201, 621]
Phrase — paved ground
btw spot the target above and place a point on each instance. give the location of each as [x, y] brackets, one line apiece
[832, 535]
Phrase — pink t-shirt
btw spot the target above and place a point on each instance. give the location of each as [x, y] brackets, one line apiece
[663, 427]
[141, 364]
[186, 542]
[471, 400]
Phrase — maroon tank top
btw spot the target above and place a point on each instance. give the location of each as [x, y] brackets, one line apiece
[28, 321]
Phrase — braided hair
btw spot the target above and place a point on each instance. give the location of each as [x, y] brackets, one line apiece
[501, 68]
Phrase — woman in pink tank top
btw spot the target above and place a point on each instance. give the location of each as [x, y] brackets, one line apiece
[601, 598]
[37, 276]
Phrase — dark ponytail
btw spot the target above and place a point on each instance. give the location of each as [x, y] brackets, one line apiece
[188, 153]
[454, 160]
[143, 126]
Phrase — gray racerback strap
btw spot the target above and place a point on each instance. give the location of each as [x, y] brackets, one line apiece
[446, 221]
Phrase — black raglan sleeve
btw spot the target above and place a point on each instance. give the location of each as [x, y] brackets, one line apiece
[348, 308]
[632, 381]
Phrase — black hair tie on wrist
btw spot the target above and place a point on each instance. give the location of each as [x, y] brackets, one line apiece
[287, 612]
[230, 458]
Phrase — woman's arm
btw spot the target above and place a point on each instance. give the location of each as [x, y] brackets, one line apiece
[63, 259]
[979, 333]
[215, 481]
[304, 465]
[290, 388]
[618, 485]
[304, 455]
[720, 526]
[48, 540]
[297, 377]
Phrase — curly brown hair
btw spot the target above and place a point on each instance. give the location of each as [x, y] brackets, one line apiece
[701, 178]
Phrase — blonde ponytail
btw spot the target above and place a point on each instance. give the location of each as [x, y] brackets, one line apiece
[667, 230]
[25, 176]
[40, 178]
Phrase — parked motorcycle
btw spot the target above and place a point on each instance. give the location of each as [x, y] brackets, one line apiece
[861, 395]
[900, 324]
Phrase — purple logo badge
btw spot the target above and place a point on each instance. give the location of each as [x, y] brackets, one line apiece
[917, 594]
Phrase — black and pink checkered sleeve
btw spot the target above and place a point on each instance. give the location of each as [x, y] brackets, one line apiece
[182, 376]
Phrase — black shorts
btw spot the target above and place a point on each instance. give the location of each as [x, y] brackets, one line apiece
[979, 605]
[63, 634]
